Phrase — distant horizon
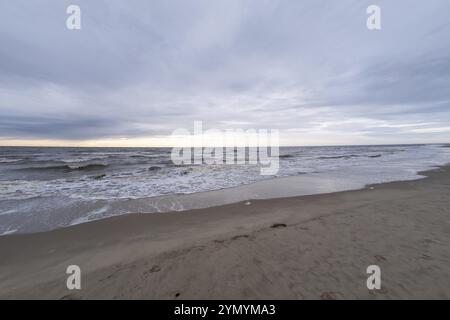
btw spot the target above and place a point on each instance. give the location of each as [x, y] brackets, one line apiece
[209, 146]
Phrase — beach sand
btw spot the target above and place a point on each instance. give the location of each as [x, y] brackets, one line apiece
[310, 247]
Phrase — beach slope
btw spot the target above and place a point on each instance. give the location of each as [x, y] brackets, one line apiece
[310, 247]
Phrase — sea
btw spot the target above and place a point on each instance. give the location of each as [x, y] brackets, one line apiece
[45, 188]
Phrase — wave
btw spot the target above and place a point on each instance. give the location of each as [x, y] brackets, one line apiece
[349, 156]
[67, 167]
[338, 157]
[6, 160]
[283, 156]
[79, 160]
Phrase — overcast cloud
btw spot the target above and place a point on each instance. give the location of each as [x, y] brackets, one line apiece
[310, 68]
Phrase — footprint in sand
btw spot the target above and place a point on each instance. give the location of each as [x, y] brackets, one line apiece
[428, 242]
[278, 225]
[242, 236]
[71, 296]
[378, 291]
[153, 269]
[331, 295]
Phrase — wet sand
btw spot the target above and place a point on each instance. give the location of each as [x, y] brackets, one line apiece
[310, 247]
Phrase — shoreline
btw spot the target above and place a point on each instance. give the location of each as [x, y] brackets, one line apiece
[287, 187]
[316, 183]
[78, 197]
[262, 250]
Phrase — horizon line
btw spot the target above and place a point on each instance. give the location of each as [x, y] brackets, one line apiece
[207, 146]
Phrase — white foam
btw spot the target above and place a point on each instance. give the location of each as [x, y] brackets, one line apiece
[9, 231]
[90, 216]
[396, 162]
[137, 189]
[6, 160]
[2, 213]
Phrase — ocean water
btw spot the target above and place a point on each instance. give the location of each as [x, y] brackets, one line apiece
[48, 188]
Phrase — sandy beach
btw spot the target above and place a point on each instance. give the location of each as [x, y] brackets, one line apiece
[310, 247]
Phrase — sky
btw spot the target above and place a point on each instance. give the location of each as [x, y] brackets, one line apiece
[138, 70]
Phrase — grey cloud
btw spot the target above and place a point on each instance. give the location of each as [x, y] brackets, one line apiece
[142, 68]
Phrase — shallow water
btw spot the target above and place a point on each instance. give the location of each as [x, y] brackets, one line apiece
[47, 188]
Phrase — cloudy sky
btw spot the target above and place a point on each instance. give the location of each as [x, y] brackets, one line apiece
[137, 70]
